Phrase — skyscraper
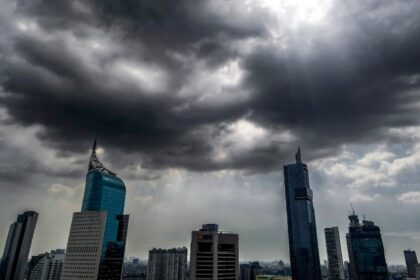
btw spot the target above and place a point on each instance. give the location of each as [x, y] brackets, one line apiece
[18, 244]
[335, 258]
[214, 255]
[366, 251]
[303, 242]
[167, 264]
[47, 266]
[96, 245]
[411, 262]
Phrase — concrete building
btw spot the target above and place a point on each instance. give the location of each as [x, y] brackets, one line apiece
[47, 266]
[301, 223]
[214, 254]
[167, 264]
[96, 245]
[335, 258]
[411, 262]
[18, 245]
[366, 251]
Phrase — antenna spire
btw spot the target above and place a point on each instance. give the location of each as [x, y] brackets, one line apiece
[94, 146]
[352, 209]
[298, 156]
[95, 164]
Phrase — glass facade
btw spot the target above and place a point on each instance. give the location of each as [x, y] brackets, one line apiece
[104, 191]
[366, 251]
[303, 242]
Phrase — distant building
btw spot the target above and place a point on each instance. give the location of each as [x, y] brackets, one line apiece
[214, 255]
[366, 251]
[96, 244]
[417, 271]
[250, 271]
[303, 241]
[18, 245]
[335, 258]
[167, 264]
[411, 262]
[47, 266]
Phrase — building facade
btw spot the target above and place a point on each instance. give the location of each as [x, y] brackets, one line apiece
[366, 251]
[335, 258]
[411, 262]
[18, 244]
[303, 242]
[98, 233]
[250, 270]
[167, 264]
[47, 266]
[214, 254]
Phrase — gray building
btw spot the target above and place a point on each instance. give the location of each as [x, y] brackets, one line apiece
[214, 254]
[411, 262]
[167, 264]
[47, 266]
[18, 245]
[335, 258]
[303, 242]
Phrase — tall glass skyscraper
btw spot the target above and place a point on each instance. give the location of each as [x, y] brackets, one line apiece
[100, 226]
[366, 251]
[303, 242]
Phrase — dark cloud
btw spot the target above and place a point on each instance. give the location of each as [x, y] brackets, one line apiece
[325, 86]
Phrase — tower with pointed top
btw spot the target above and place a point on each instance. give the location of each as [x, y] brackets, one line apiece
[96, 244]
[303, 241]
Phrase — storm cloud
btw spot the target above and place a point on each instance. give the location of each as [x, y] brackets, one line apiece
[169, 79]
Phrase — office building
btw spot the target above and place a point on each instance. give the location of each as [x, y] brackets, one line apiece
[18, 245]
[250, 271]
[335, 258]
[411, 262]
[167, 264]
[47, 266]
[303, 242]
[214, 254]
[96, 244]
[366, 251]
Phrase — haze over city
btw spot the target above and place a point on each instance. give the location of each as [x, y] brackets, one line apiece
[197, 105]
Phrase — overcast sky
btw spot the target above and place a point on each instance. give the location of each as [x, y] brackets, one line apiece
[197, 105]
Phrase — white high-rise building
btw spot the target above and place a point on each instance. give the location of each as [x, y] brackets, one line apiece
[84, 246]
[48, 266]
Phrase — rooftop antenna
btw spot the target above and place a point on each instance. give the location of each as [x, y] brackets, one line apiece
[352, 209]
[298, 156]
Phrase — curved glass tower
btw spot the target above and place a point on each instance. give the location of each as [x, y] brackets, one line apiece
[99, 231]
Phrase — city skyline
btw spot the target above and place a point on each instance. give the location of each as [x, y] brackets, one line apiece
[198, 104]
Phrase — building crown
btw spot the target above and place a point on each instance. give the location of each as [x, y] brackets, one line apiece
[95, 164]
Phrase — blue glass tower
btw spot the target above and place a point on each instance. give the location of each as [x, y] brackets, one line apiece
[303, 242]
[104, 191]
